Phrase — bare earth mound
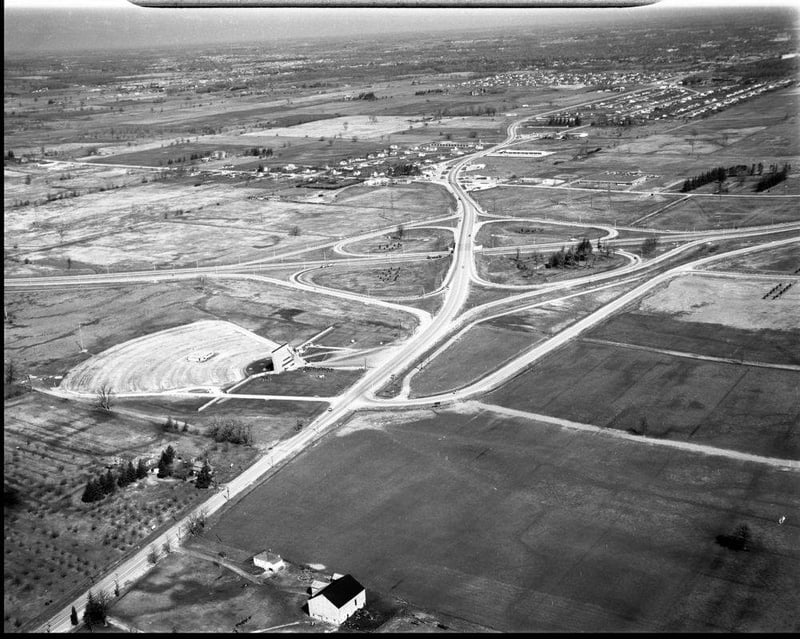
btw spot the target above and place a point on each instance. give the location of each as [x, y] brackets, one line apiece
[208, 353]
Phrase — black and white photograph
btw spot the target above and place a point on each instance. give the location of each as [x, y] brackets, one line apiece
[401, 316]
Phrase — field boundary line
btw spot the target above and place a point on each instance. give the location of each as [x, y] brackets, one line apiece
[703, 449]
[709, 358]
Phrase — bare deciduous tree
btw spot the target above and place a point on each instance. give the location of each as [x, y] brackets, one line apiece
[105, 396]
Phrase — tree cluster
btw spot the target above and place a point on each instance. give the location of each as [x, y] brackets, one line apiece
[403, 169]
[165, 462]
[197, 156]
[260, 153]
[714, 175]
[564, 121]
[772, 178]
[173, 426]
[96, 609]
[231, 430]
[367, 95]
[571, 256]
[99, 487]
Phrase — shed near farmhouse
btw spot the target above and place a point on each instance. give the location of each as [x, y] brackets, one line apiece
[336, 602]
[269, 561]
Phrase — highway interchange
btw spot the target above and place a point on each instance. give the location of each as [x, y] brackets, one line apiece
[433, 333]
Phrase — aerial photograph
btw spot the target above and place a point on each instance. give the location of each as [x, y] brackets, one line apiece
[401, 316]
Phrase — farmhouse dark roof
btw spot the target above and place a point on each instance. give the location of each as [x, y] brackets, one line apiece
[341, 591]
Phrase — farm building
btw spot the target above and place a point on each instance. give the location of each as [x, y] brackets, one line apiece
[286, 358]
[269, 561]
[338, 600]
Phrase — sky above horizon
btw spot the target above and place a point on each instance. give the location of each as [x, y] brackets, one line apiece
[72, 25]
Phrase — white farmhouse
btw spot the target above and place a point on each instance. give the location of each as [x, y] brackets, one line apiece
[338, 600]
[269, 561]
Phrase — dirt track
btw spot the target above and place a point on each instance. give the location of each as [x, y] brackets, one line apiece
[164, 361]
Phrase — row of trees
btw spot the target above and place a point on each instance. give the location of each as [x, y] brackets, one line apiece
[714, 175]
[263, 152]
[106, 484]
[720, 174]
[771, 179]
[564, 121]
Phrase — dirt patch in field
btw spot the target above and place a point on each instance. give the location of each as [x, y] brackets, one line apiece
[731, 302]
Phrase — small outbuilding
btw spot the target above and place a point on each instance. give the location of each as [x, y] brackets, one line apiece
[338, 600]
[269, 561]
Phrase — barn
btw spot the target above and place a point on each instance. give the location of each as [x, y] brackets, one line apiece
[338, 600]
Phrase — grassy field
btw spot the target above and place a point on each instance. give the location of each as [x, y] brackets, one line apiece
[306, 381]
[204, 595]
[402, 280]
[55, 545]
[412, 241]
[698, 213]
[489, 344]
[503, 269]
[743, 408]
[269, 421]
[479, 351]
[714, 340]
[532, 527]
[44, 338]
[496, 234]
[781, 260]
[168, 225]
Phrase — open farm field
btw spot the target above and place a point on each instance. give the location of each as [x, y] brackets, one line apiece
[491, 343]
[505, 269]
[162, 226]
[203, 354]
[404, 280]
[579, 206]
[763, 128]
[359, 126]
[699, 213]
[317, 382]
[269, 421]
[663, 332]
[412, 240]
[735, 302]
[46, 181]
[44, 337]
[418, 197]
[526, 526]
[56, 545]
[479, 351]
[785, 259]
[504, 233]
[725, 405]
